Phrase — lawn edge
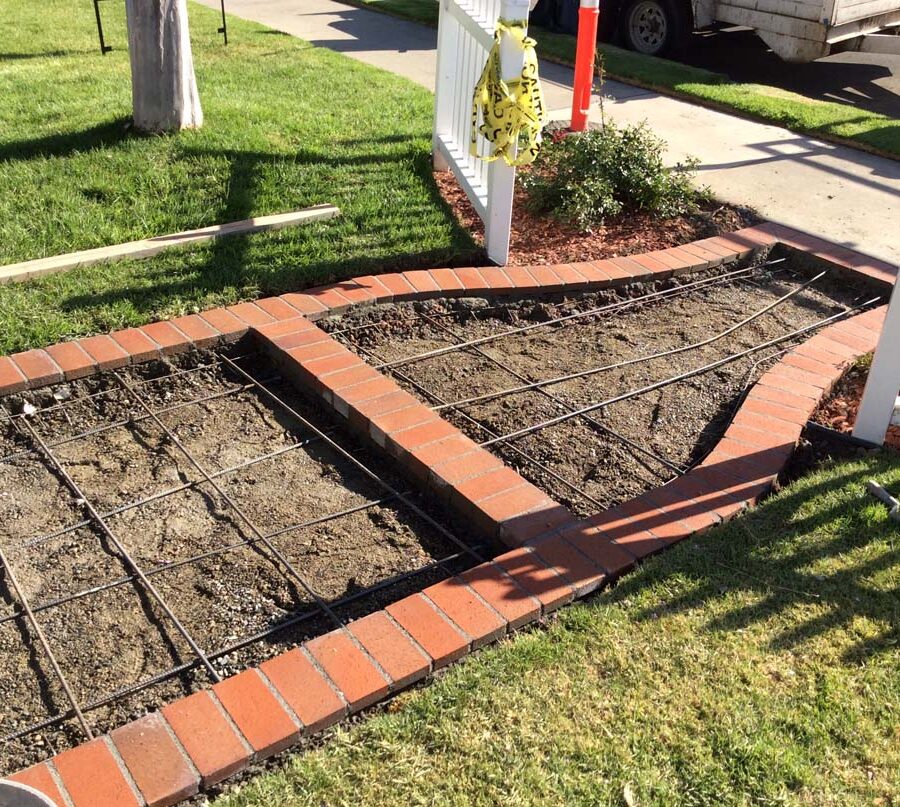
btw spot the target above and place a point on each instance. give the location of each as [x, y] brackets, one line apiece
[553, 557]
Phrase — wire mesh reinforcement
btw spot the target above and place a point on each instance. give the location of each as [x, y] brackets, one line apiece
[41, 449]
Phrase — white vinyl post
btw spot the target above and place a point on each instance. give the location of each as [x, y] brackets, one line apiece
[502, 177]
[880, 395]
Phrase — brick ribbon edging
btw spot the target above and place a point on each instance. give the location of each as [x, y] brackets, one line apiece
[201, 739]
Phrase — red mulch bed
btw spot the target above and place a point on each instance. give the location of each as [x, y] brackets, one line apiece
[543, 239]
[839, 411]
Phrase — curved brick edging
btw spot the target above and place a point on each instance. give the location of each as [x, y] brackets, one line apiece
[194, 742]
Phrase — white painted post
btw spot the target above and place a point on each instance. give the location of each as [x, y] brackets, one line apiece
[502, 177]
[443, 92]
[880, 395]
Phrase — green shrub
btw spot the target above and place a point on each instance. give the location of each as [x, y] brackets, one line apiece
[585, 177]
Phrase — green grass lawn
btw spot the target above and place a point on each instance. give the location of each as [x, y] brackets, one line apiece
[287, 125]
[757, 664]
[841, 122]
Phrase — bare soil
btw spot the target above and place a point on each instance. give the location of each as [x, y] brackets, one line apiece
[657, 433]
[118, 636]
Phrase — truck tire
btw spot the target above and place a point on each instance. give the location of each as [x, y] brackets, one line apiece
[654, 27]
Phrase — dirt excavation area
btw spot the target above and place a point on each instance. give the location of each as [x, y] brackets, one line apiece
[623, 356]
[156, 552]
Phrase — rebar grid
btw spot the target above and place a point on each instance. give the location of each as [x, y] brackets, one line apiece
[319, 608]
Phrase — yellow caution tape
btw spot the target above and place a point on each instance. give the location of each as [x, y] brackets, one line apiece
[512, 112]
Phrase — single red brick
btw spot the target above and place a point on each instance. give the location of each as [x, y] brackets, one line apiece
[351, 670]
[107, 354]
[504, 595]
[656, 267]
[686, 260]
[522, 279]
[623, 525]
[349, 376]
[208, 737]
[198, 330]
[11, 378]
[455, 599]
[669, 261]
[305, 690]
[820, 382]
[399, 286]
[72, 360]
[410, 439]
[92, 776]
[761, 394]
[795, 359]
[257, 713]
[422, 282]
[717, 247]
[496, 279]
[771, 409]
[305, 304]
[168, 337]
[514, 502]
[347, 398]
[471, 279]
[595, 276]
[304, 337]
[38, 367]
[136, 344]
[391, 401]
[759, 235]
[383, 425]
[277, 308]
[711, 257]
[632, 268]
[862, 344]
[354, 292]
[250, 314]
[561, 556]
[225, 323]
[546, 517]
[156, 764]
[376, 288]
[446, 280]
[394, 651]
[617, 275]
[488, 484]
[330, 297]
[333, 363]
[420, 460]
[569, 276]
[791, 386]
[437, 637]
[529, 572]
[455, 468]
[40, 778]
[600, 548]
[773, 427]
[544, 276]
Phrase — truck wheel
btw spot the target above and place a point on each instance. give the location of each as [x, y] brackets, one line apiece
[654, 27]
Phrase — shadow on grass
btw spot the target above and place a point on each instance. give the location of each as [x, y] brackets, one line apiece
[231, 261]
[788, 554]
[62, 145]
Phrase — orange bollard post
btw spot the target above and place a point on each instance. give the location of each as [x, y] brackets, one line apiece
[585, 51]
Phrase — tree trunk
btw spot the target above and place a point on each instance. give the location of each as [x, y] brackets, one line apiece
[163, 86]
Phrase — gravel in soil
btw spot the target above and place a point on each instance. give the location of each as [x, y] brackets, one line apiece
[120, 635]
[626, 448]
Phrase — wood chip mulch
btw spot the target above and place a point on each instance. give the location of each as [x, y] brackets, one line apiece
[839, 411]
[542, 239]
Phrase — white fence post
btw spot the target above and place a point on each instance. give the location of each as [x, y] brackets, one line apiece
[465, 37]
[880, 395]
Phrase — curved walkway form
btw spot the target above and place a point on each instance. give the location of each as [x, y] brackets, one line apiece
[552, 556]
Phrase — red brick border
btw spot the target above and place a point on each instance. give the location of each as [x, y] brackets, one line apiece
[167, 756]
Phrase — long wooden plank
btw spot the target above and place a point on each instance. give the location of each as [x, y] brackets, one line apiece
[147, 247]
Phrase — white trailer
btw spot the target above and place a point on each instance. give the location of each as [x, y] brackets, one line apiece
[796, 30]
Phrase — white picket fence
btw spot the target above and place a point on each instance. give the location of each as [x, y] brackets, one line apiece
[465, 37]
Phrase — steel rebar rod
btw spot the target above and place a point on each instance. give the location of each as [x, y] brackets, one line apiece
[357, 463]
[487, 430]
[592, 422]
[57, 670]
[614, 306]
[673, 379]
[279, 555]
[537, 386]
[120, 547]
[222, 550]
[245, 641]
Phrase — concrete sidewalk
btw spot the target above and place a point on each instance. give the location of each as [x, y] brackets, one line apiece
[838, 193]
